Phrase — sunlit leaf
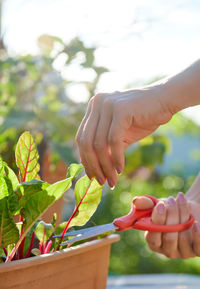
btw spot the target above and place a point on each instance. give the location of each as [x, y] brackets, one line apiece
[44, 231]
[27, 157]
[88, 196]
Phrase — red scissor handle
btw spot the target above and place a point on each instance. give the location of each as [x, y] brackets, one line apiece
[141, 220]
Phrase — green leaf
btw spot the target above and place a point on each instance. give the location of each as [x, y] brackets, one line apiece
[11, 176]
[8, 230]
[44, 231]
[36, 204]
[74, 170]
[54, 219]
[26, 189]
[88, 196]
[27, 157]
[1, 167]
[59, 229]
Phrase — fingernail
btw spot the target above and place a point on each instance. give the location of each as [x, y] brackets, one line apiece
[181, 198]
[171, 201]
[161, 208]
[111, 184]
[100, 181]
[196, 227]
[118, 169]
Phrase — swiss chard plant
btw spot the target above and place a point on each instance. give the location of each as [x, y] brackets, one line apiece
[26, 198]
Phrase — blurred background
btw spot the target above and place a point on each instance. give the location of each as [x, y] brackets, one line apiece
[54, 55]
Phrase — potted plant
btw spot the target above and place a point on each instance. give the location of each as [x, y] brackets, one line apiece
[54, 266]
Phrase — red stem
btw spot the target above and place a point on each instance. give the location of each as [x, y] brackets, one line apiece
[31, 246]
[21, 249]
[21, 246]
[48, 247]
[5, 251]
[40, 247]
[44, 247]
[70, 219]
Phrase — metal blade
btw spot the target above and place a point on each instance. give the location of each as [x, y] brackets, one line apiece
[92, 232]
[81, 231]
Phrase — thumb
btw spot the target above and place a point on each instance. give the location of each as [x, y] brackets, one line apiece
[143, 203]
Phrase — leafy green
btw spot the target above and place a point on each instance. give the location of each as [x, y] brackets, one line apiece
[11, 176]
[27, 157]
[44, 231]
[88, 195]
[74, 170]
[8, 229]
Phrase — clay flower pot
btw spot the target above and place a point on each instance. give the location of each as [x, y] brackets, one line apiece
[84, 266]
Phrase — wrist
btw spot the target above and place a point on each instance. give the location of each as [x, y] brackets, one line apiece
[193, 194]
[182, 90]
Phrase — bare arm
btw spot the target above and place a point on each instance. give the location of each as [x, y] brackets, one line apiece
[114, 121]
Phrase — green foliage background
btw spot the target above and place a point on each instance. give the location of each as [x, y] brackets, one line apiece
[33, 96]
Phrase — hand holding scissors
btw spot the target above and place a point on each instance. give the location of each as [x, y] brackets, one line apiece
[136, 219]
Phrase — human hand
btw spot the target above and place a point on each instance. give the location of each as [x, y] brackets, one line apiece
[185, 244]
[114, 121]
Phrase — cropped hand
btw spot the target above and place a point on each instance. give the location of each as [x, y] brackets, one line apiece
[114, 121]
[185, 244]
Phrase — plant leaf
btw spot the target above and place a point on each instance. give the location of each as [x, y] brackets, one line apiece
[88, 196]
[37, 203]
[8, 230]
[27, 157]
[11, 176]
[44, 231]
[74, 170]
[26, 189]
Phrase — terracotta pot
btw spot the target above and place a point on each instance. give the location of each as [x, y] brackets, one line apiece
[82, 267]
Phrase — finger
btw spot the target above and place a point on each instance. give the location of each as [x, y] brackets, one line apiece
[121, 122]
[143, 203]
[170, 240]
[80, 129]
[101, 143]
[158, 217]
[86, 142]
[79, 135]
[184, 238]
[196, 238]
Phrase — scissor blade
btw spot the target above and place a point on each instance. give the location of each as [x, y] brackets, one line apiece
[91, 232]
[81, 231]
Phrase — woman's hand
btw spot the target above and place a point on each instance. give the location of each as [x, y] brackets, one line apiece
[185, 244]
[112, 122]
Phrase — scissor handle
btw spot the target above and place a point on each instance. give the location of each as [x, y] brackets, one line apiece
[134, 215]
[141, 220]
[146, 224]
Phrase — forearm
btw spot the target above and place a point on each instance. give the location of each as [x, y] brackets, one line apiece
[183, 89]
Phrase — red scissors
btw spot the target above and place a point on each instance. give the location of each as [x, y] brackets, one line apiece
[136, 219]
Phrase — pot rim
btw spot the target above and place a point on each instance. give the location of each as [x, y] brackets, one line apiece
[31, 261]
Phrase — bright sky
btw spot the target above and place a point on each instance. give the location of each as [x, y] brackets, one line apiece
[137, 40]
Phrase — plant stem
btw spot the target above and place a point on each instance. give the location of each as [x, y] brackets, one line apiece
[44, 247]
[21, 249]
[73, 214]
[48, 247]
[5, 251]
[31, 246]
